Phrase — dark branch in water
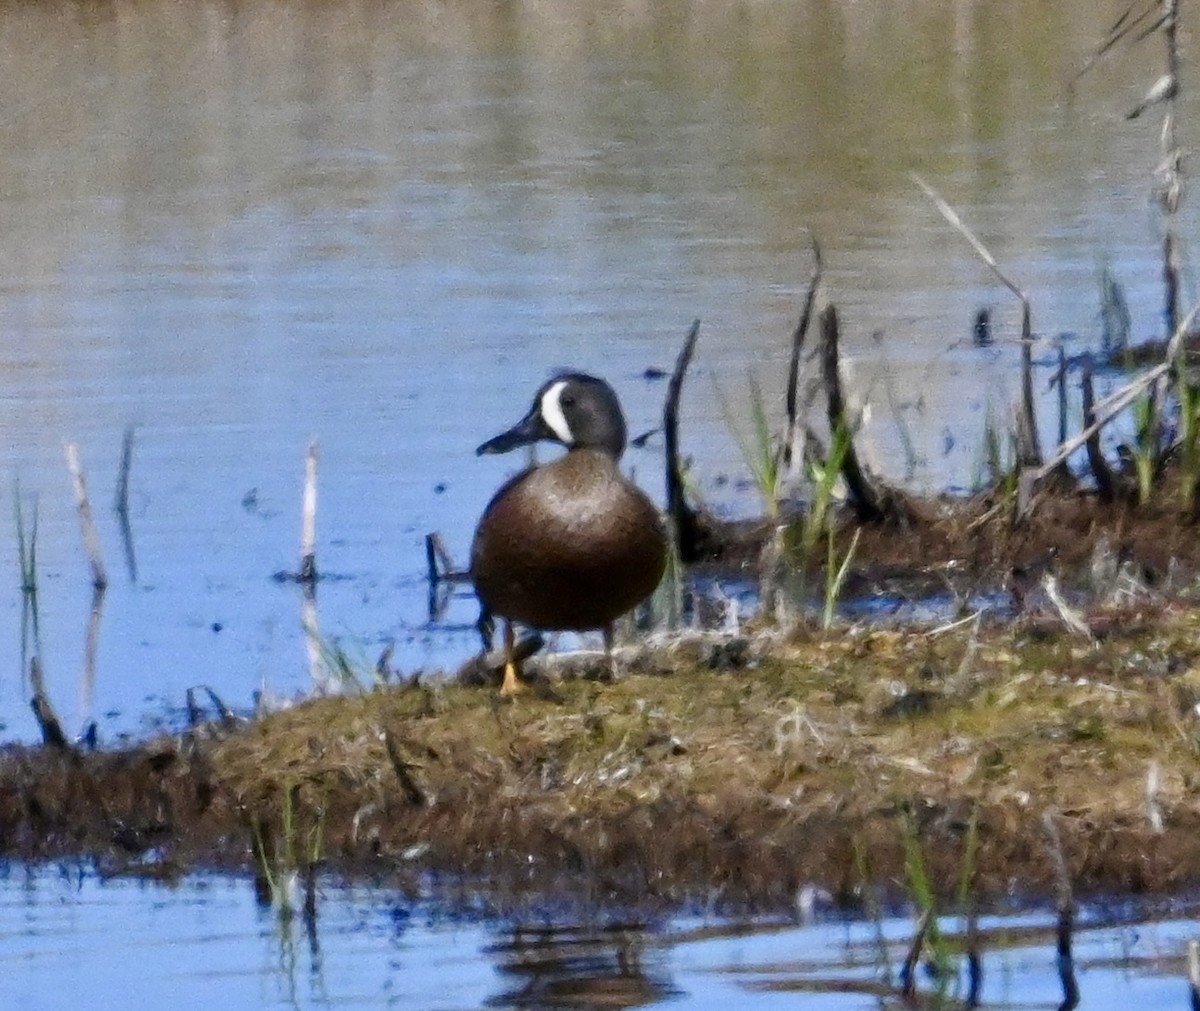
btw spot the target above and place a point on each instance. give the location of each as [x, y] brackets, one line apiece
[52, 731]
[228, 719]
[1061, 379]
[798, 336]
[439, 564]
[404, 772]
[908, 971]
[121, 503]
[693, 539]
[869, 503]
[1029, 453]
[699, 536]
[1110, 485]
[1065, 903]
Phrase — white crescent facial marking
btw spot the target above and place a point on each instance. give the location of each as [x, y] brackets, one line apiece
[552, 412]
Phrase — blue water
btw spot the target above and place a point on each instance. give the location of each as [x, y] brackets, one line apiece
[239, 227]
[66, 935]
[242, 227]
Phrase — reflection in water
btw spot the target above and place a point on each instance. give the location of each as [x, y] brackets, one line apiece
[121, 505]
[206, 941]
[289, 898]
[87, 681]
[573, 967]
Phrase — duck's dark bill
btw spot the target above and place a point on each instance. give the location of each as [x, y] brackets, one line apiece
[529, 429]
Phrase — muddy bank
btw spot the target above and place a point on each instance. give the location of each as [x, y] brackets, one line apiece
[739, 770]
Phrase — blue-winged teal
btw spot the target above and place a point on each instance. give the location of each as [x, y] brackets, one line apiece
[571, 544]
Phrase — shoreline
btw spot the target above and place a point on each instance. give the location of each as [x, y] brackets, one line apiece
[823, 760]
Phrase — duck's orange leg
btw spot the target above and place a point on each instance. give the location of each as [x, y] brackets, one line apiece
[512, 684]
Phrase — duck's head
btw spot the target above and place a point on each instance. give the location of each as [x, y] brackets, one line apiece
[577, 410]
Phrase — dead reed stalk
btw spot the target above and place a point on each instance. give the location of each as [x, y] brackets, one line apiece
[308, 531]
[90, 541]
[1029, 453]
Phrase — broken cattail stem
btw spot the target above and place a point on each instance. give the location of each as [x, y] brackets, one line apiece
[308, 533]
[90, 541]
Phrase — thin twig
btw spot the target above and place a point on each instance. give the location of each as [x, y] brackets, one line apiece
[440, 564]
[1120, 29]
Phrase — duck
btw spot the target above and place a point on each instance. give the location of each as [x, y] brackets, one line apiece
[573, 544]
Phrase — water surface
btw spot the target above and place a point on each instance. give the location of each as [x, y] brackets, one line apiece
[205, 942]
[241, 226]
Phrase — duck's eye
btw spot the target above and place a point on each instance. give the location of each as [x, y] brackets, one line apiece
[567, 400]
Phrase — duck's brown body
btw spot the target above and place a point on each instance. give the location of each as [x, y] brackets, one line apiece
[569, 545]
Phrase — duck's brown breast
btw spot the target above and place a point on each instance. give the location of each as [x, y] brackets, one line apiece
[570, 545]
